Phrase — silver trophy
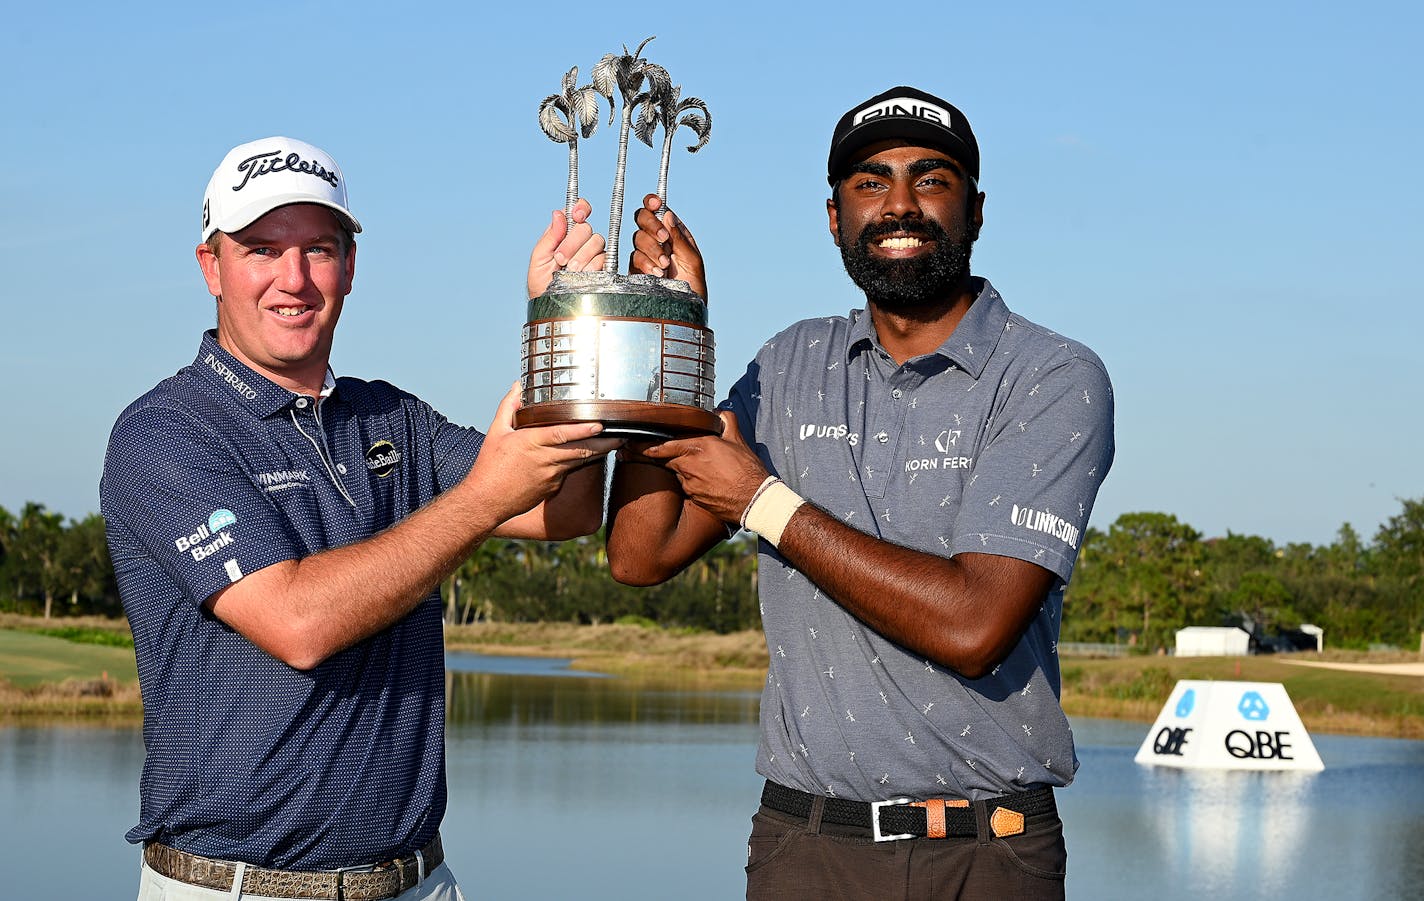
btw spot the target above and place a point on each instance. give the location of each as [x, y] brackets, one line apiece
[630, 351]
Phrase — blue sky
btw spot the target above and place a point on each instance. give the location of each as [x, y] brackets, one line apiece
[1221, 199]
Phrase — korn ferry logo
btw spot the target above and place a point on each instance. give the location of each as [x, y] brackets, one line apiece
[210, 537]
[1047, 523]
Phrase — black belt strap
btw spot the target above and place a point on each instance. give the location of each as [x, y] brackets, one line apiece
[902, 819]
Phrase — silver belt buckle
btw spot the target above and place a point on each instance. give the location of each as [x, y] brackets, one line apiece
[875, 807]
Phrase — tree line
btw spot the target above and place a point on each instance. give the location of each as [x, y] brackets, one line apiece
[1135, 584]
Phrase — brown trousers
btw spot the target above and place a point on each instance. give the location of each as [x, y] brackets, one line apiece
[789, 858]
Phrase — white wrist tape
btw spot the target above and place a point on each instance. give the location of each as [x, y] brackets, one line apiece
[771, 509]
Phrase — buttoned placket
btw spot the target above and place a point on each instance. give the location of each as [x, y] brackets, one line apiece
[323, 450]
[881, 438]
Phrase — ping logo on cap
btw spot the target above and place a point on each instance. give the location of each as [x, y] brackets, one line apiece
[908, 107]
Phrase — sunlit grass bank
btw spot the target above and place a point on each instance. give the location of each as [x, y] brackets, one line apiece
[85, 668]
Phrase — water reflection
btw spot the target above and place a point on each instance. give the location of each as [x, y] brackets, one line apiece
[633, 790]
[490, 699]
[467, 662]
[1348, 832]
[1233, 828]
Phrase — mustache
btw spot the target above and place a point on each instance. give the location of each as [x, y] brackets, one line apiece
[919, 227]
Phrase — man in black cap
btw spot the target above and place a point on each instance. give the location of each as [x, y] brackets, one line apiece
[920, 474]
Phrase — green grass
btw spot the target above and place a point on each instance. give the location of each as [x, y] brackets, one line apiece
[30, 658]
[1327, 700]
[81, 635]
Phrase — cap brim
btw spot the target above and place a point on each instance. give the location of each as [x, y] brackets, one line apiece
[903, 129]
[237, 220]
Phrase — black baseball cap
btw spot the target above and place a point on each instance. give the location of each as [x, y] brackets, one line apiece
[907, 113]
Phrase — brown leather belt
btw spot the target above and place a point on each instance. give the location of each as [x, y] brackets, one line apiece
[387, 880]
[899, 818]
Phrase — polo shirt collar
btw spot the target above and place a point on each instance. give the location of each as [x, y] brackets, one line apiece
[970, 345]
[248, 388]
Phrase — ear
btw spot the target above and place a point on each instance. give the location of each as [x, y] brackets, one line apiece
[976, 215]
[211, 266]
[350, 264]
[833, 217]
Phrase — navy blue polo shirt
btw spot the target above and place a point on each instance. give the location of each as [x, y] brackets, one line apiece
[215, 474]
[994, 443]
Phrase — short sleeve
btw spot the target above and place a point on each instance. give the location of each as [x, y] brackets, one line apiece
[1037, 474]
[745, 401]
[454, 449]
[180, 496]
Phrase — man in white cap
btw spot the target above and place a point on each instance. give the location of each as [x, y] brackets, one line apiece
[279, 536]
[920, 473]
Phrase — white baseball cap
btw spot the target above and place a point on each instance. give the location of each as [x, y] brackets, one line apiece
[257, 177]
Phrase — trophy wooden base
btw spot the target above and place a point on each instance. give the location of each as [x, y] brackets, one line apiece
[627, 417]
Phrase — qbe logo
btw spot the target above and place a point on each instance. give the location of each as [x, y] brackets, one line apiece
[1170, 741]
[1253, 707]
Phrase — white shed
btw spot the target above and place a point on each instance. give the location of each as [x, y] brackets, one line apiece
[1212, 641]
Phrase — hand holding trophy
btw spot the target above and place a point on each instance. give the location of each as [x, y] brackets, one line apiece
[631, 351]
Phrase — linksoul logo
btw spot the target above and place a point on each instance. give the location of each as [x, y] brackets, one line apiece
[1047, 523]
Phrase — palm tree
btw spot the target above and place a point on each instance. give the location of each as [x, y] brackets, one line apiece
[579, 109]
[626, 73]
[663, 109]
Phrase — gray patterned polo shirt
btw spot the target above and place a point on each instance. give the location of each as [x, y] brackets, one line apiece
[995, 443]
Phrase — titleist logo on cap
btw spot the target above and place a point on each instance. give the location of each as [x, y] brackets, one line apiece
[904, 106]
[263, 163]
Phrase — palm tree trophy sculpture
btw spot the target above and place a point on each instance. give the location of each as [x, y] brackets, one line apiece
[630, 351]
[579, 107]
[626, 73]
[663, 108]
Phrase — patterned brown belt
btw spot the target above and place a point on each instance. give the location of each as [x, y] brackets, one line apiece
[387, 880]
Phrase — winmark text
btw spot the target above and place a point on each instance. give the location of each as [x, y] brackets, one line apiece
[283, 475]
[1038, 521]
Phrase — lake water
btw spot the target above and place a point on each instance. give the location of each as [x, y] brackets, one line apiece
[564, 785]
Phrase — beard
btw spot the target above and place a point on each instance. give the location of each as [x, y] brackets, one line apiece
[904, 285]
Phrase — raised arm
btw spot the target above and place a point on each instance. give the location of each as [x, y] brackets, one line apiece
[654, 532]
[965, 612]
[304, 610]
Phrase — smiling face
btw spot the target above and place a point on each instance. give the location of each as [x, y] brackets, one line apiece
[905, 219]
[280, 284]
